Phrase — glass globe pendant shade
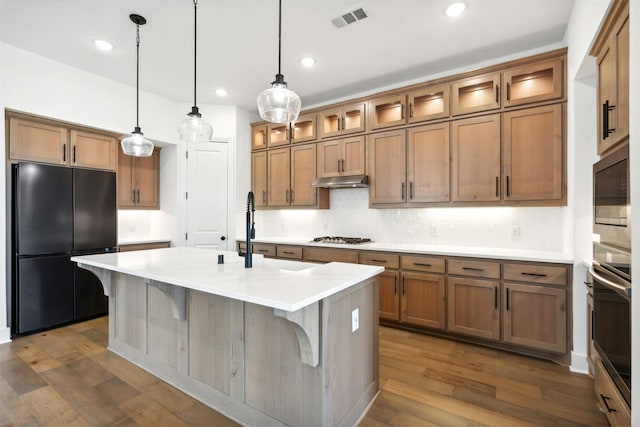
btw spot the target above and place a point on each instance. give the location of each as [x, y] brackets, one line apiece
[193, 129]
[279, 104]
[137, 145]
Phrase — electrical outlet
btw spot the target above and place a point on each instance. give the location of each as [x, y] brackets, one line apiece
[355, 320]
[434, 231]
[515, 232]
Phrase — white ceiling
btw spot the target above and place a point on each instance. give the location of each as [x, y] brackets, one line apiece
[401, 40]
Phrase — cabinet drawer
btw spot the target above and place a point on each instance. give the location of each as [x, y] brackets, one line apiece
[329, 255]
[142, 246]
[552, 275]
[610, 400]
[290, 252]
[422, 263]
[465, 267]
[264, 249]
[381, 259]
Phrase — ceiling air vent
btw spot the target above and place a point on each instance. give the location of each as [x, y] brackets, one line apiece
[349, 18]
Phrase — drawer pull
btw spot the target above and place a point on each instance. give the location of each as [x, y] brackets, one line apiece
[421, 264]
[606, 404]
[379, 260]
[287, 252]
[263, 250]
[472, 269]
[534, 274]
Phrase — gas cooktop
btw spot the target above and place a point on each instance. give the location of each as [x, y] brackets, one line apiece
[341, 240]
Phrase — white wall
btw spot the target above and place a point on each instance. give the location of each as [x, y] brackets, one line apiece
[4, 330]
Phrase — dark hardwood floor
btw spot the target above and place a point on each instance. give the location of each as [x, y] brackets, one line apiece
[66, 377]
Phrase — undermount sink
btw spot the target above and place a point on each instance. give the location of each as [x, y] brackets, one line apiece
[297, 267]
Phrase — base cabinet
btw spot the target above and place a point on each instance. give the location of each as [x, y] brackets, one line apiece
[473, 307]
[610, 401]
[389, 300]
[535, 316]
[423, 300]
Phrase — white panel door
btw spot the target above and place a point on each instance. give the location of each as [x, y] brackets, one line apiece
[207, 189]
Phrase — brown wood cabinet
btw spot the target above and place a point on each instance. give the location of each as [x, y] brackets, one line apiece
[473, 307]
[428, 163]
[277, 134]
[387, 167]
[389, 299]
[92, 150]
[139, 181]
[304, 129]
[290, 173]
[316, 254]
[428, 103]
[423, 299]
[342, 120]
[258, 136]
[48, 142]
[533, 154]
[611, 49]
[475, 159]
[475, 94]
[610, 401]
[388, 111]
[289, 252]
[535, 82]
[127, 247]
[341, 157]
[259, 178]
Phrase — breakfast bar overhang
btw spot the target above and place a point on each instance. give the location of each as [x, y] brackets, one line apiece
[282, 343]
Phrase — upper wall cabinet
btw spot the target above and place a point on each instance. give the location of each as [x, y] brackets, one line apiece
[303, 129]
[429, 103]
[612, 51]
[259, 136]
[342, 120]
[51, 143]
[388, 111]
[535, 82]
[475, 94]
[139, 181]
[277, 134]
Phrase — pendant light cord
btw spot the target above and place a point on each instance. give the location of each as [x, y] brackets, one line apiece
[279, 35]
[137, 77]
[195, 41]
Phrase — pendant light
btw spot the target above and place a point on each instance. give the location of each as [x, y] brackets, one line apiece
[279, 104]
[136, 144]
[193, 128]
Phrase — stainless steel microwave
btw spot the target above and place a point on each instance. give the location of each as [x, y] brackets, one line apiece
[611, 202]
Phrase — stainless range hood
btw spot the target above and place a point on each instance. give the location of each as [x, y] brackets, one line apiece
[352, 181]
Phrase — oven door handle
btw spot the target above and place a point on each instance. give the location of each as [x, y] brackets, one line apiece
[626, 290]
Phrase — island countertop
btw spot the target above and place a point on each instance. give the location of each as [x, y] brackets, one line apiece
[280, 284]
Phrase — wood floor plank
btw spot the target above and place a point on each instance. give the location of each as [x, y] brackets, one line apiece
[20, 377]
[199, 414]
[147, 412]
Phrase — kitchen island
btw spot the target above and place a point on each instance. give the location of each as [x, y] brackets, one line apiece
[282, 343]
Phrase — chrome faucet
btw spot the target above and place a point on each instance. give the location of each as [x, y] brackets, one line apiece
[251, 230]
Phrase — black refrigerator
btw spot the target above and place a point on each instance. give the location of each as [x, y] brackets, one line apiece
[58, 212]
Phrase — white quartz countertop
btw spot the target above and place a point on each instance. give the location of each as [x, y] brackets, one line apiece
[415, 248]
[281, 284]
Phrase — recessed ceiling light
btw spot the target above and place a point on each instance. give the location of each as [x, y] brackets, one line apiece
[455, 9]
[308, 61]
[221, 93]
[103, 45]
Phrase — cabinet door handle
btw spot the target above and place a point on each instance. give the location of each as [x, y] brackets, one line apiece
[342, 165]
[74, 154]
[291, 196]
[395, 285]
[497, 94]
[508, 192]
[403, 290]
[286, 196]
[411, 190]
[534, 274]
[606, 404]
[495, 298]
[264, 196]
[589, 285]
[507, 299]
[421, 264]
[401, 112]
[338, 165]
[64, 152]
[605, 120]
[593, 322]
[402, 191]
[411, 110]
[138, 195]
[472, 269]
[497, 186]
[508, 91]
[133, 196]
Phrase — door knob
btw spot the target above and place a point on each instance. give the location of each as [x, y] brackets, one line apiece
[223, 238]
